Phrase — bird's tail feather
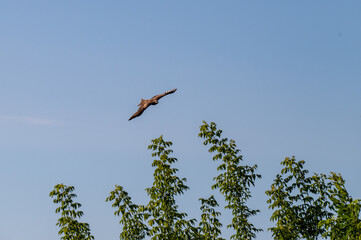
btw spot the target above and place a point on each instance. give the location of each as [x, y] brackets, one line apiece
[141, 102]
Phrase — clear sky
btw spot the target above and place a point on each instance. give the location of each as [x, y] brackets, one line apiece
[282, 78]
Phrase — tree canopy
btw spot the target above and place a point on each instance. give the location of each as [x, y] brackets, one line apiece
[304, 206]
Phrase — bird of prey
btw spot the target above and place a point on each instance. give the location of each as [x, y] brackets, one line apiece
[144, 103]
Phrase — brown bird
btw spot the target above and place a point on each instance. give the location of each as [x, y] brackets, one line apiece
[144, 104]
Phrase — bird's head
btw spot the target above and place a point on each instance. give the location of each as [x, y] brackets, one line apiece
[154, 101]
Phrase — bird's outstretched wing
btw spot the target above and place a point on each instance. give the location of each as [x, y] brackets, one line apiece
[139, 112]
[157, 97]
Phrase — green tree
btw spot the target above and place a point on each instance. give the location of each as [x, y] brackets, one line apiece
[160, 218]
[300, 201]
[165, 220]
[132, 218]
[209, 226]
[234, 181]
[305, 206]
[70, 228]
[345, 223]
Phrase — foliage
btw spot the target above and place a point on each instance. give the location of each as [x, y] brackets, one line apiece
[346, 222]
[68, 223]
[165, 220]
[161, 213]
[301, 202]
[209, 225]
[234, 181]
[305, 206]
[132, 218]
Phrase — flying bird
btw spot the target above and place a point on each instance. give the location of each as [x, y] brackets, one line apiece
[144, 103]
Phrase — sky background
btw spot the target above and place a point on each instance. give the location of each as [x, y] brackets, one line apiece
[281, 78]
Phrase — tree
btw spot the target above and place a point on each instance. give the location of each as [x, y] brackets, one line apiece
[234, 181]
[132, 218]
[70, 228]
[305, 206]
[209, 225]
[160, 218]
[345, 222]
[300, 202]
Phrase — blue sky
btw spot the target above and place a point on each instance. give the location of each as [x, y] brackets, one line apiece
[282, 78]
